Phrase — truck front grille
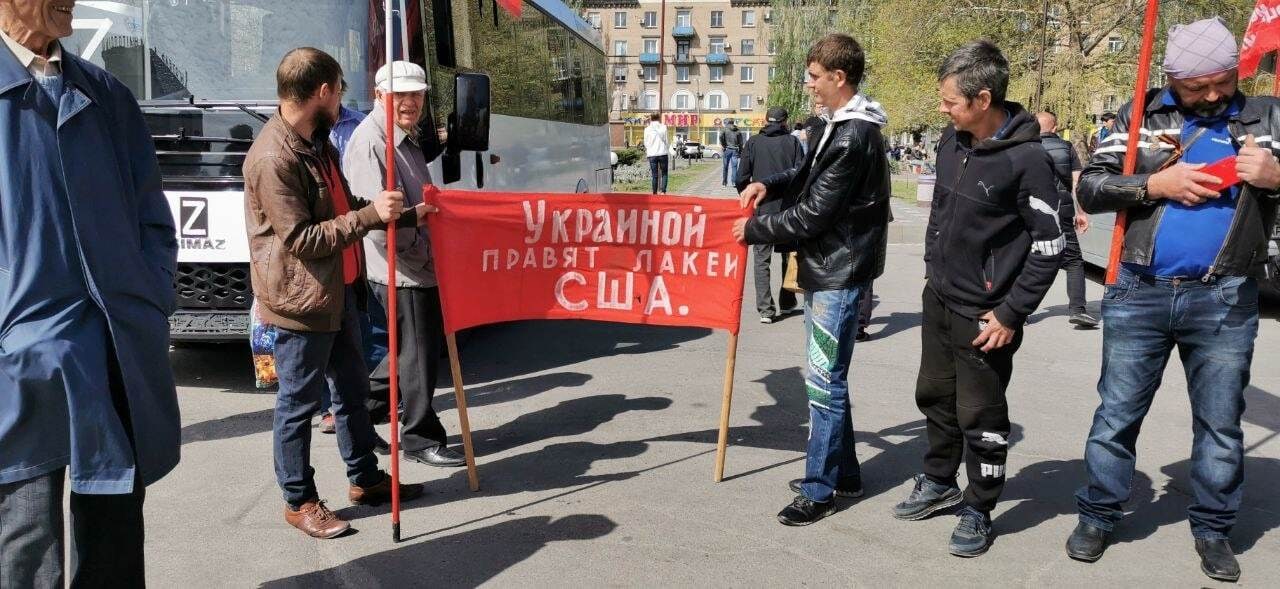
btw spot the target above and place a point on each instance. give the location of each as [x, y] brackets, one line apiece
[213, 286]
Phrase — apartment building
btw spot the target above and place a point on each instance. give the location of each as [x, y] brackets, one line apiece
[707, 66]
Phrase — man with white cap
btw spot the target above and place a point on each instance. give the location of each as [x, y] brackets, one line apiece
[1193, 244]
[417, 296]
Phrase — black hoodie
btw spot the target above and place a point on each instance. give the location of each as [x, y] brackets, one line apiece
[772, 151]
[994, 240]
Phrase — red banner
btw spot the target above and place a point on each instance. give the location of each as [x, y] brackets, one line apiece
[629, 258]
[512, 6]
[1261, 37]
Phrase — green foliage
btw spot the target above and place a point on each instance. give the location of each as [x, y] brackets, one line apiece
[905, 43]
[629, 155]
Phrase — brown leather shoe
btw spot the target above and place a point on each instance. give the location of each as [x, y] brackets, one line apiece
[315, 520]
[381, 492]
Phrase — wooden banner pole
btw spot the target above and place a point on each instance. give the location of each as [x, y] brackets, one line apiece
[460, 395]
[725, 403]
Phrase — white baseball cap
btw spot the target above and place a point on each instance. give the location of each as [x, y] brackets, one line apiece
[408, 77]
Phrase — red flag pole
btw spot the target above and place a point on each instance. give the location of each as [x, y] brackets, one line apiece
[1135, 131]
[393, 342]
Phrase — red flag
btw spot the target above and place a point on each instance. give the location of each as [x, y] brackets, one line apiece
[1261, 37]
[512, 6]
[629, 258]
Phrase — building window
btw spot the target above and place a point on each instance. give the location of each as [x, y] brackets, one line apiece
[649, 101]
[717, 19]
[717, 73]
[773, 47]
[682, 50]
[831, 18]
[620, 73]
[619, 47]
[650, 45]
[651, 73]
[715, 45]
[748, 46]
[619, 20]
[1115, 45]
[682, 73]
[683, 101]
[684, 18]
[716, 101]
[594, 19]
[747, 73]
[744, 102]
[773, 72]
[650, 20]
[748, 18]
[768, 15]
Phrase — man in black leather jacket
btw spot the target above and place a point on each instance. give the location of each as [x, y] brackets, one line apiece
[1191, 252]
[992, 248]
[838, 220]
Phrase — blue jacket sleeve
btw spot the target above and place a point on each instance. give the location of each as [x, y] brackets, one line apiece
[155, 221]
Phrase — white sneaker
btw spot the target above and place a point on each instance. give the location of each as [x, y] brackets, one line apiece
[766, 319]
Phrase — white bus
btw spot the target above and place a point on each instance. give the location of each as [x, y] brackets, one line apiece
[204, 72]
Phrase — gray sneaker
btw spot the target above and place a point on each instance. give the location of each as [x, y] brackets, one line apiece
[972, 536]
[1083, 320]
[926, 498]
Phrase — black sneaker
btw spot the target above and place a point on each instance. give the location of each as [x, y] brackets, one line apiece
[972, 536]
[926, 498]
[803, 511]
[850, 487]
[1084, 320]
[862, 335]
[380, 446]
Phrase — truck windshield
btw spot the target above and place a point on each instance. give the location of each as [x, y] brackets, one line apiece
[221, 49]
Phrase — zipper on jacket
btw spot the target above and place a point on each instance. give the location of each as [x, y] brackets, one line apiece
[989, 270]
[1226, 242]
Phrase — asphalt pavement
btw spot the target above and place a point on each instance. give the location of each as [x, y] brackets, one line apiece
[596, 441]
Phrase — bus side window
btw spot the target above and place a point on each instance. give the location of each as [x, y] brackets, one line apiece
[442, 14]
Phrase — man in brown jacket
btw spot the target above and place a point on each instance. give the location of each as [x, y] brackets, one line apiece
[305, 229]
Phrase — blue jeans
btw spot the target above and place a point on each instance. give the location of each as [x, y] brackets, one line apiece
[830, 325]
[303, 360]
[658, 173]
[729, 167]
[373, 334]
[1213, 327]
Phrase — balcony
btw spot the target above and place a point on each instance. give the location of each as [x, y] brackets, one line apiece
[685, 32]
[684, 59]
[650, 59]
[717, 59]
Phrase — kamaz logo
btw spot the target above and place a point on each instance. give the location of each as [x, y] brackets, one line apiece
[193, 230]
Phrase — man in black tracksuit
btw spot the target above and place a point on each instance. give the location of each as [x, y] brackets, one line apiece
[772, 151]
[1066, 170]
[992, 251]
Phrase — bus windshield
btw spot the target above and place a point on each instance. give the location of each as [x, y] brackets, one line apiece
[221, 50]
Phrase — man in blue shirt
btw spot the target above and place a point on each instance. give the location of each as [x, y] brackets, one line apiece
[1190, 253]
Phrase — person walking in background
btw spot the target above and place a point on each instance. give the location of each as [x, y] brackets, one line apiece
[1191, 254]
[658, 148]
[1066, 169]
[770, 152]
[87, 240]
[731, 140]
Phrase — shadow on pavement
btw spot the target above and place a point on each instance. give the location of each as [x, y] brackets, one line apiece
[225, 366]
[784, 426]
[893, 323]
[1046, 490]
[569, 418]
[489, 354]
[464, 559]
[255, 422]
[556, 466]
